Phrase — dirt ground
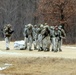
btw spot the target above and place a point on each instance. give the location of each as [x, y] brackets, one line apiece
[25, 62]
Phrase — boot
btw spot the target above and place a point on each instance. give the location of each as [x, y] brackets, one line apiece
[25, 48]
[55, 50]
[30, 49]
[7, 48]
[60, 50]
[35, 48]
[46, 50]
[52, 50]
[40, 49]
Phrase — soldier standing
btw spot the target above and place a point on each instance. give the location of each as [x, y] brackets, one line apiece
[40, 42]
[7, 34]
[25, 36]
[46, 38]
[59, 34]
[35, 36]
[30, 36]
[52, 38]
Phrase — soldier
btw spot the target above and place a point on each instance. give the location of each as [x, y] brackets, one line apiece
[35, 36]
[46, 38]
[30, 36]
[25, 36]
[7, 34]
[52, 38]
[40, 42]
[59, 34]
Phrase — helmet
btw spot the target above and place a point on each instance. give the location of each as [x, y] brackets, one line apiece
[35, 26]
[51, 27]
[56, 27]
[9, 25]
[45, 24]
[29, 25]
[60, 27]
[41, 26]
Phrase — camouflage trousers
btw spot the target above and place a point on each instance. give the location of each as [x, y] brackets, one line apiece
[7, 40]
[53, 43]
[58, 44]
[40, 42]
[46, 43]
[28, 42]
[35, 44]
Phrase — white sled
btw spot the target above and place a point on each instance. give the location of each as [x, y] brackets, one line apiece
[19, 45]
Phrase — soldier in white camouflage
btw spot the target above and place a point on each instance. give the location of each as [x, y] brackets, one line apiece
[25, 36]
[28, 33]
[59, 34]
[46, 38]
[35, 36]
[30, 36]
[62, 36]
[7, 34]
[40, 42]
[52, 38]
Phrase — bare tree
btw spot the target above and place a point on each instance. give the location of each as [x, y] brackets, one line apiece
[56, 12]
[18, 13]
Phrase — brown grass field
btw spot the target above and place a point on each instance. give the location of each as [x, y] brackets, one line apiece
[25, 62]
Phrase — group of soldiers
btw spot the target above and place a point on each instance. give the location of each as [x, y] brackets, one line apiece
[41, 36]
[44, 36]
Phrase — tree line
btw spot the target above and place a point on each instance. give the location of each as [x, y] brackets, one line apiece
[54, 12]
